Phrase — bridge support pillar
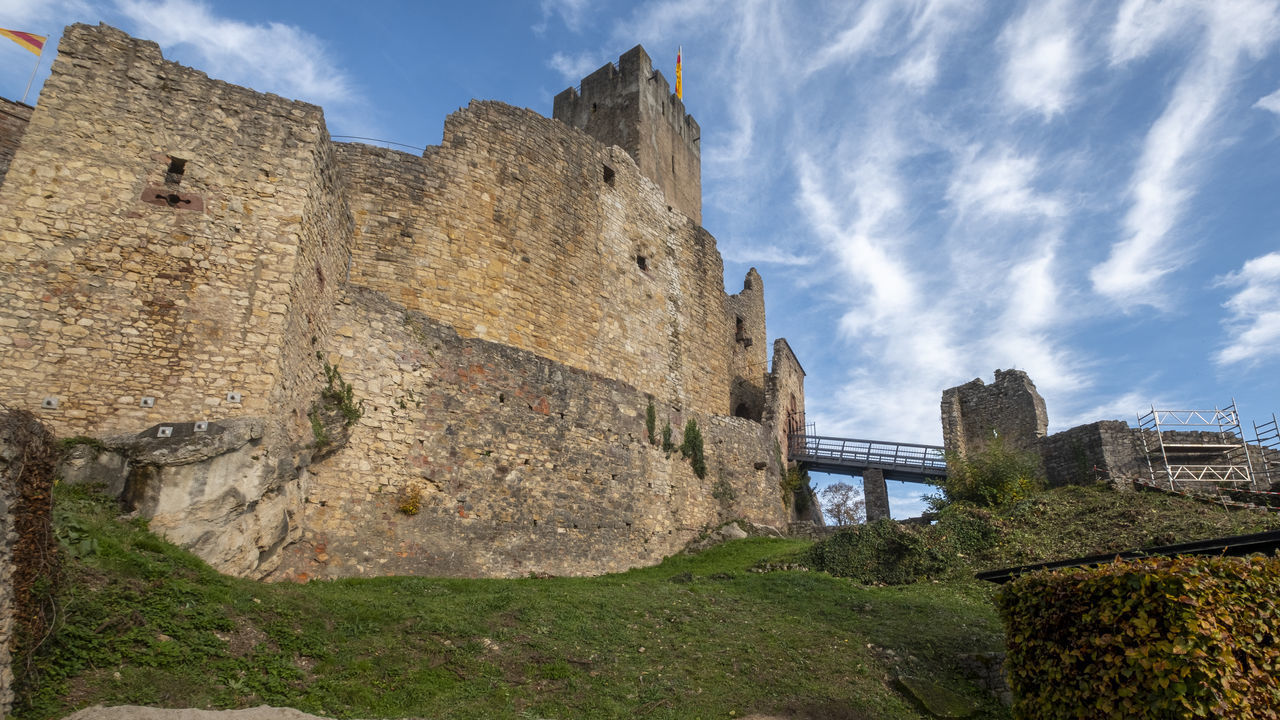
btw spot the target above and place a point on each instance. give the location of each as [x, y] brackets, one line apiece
[876, 494]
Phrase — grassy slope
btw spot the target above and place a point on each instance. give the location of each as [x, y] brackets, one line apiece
[1074, 522]
[697, 636]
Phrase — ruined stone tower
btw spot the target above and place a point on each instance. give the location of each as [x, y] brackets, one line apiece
[631, 105]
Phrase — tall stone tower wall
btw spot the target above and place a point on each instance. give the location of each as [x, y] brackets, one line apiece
[13, 123]
[164, 236]
[750, 355]
[631, 105]
[520, 230]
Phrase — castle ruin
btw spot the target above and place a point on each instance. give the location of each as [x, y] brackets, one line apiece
[194, 271]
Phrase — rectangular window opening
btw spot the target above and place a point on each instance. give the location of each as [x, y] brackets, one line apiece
[642, 262]
[608, 175]
[177, 166]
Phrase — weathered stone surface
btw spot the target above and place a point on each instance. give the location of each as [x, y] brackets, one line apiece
[975, 413]
[13, 122]
[750, 353]
[520, 464]
[505, 306]
[1104, 451]
[876, 494]
[631, 105]
[222, 493]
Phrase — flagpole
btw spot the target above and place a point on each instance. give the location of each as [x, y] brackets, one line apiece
[31, 79]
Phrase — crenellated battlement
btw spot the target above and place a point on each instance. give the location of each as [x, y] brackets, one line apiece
[629, 104]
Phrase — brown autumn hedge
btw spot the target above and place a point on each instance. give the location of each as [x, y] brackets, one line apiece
[1187, 637]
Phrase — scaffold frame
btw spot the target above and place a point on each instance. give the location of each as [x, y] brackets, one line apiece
[1184, 463]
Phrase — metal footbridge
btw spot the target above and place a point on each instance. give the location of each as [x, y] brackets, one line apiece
[847, 456]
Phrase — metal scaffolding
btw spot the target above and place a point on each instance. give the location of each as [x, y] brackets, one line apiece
[1267, 445]
[1188, 450]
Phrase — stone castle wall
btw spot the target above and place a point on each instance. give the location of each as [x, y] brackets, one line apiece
[631, 105]
[1104, 451]
[784, 395]
[750, 358]
[975, 413]
[505, 307]
[509, 231]
[13, 122]
[518, 463]
[114, 294]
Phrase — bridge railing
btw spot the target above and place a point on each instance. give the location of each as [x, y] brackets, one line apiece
[927, 459]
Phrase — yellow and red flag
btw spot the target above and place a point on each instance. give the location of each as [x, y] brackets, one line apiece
[34, 43]
[679, 84]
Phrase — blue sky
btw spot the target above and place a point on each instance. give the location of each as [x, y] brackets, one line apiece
[931, 189]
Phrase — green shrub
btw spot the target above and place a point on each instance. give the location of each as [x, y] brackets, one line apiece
[996, 475]
[1186, 637]
[339, 394]
[691, 448]
[792, 480]
[882, 552]
[968, 531]
[667, 445]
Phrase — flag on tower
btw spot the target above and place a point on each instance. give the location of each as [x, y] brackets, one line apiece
[34, 43]
[679, 84]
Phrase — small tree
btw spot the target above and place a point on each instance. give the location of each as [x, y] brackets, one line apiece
[995, 475]
[843, 503]
[691, 448]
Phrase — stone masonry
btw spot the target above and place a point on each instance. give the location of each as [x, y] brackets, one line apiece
[14, 117]
[631, 105]
[505, 307]
[975, 413]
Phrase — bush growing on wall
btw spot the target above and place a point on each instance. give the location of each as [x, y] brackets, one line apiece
[691, 448]
[1188, 637]
[996, 475]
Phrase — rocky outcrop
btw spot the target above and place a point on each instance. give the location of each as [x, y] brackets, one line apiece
[222, 490]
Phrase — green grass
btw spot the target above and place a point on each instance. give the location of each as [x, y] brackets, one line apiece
[1079, 521]
[142, 622]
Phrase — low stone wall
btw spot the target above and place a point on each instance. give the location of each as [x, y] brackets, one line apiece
[1104, 451]
[479, 459]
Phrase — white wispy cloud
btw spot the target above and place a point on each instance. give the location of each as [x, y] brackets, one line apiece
[40, 16]
[1270, 102]
[273, 57]
[934, 24]
[1000, 182]
[575, 67]
[1253, 322]
[764, 253]
[859, 37]
[1042, 60]
[573, 13]
[1168, 172]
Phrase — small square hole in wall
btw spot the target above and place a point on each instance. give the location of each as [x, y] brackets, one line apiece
[608, 175]
[201, 426]
[164, 431]
[147, 402]
[49, 403]
[233, 397]
[177, 166]
[642, 262]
